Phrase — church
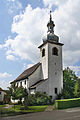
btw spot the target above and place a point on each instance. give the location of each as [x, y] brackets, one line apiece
[47, 75]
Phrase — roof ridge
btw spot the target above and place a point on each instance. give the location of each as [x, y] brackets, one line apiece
[32, 66]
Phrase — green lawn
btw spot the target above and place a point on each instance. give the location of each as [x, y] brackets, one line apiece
[17, 110]
[1, 106]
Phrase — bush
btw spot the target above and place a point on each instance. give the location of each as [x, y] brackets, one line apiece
[31, 99]
[1, 102]
[67, 103]
[39, 99]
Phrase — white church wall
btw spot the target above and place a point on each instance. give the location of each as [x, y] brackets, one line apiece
[32, 91]
[35, 77]
[44, 61]
[43, 87]
[18, 83]
[55, 70]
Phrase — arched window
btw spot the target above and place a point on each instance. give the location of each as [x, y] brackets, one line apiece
[54, 51]
[43, 52]
[20, 84]
[25, 82]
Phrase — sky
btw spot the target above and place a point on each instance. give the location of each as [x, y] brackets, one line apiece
[23, 24]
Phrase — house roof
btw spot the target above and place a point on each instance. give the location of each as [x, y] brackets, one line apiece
[37, 84]
[27, 73]
[2, 90]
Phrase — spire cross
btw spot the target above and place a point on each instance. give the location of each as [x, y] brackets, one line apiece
[50, 15]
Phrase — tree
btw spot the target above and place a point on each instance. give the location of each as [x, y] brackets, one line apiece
[10, 93]
[13, 89]
[77, 88]
[25, 98]
[19, 93]
[69, 80]
[7, 96]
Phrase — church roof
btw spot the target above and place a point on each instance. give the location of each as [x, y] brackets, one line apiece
[27, 72]
[37, 83]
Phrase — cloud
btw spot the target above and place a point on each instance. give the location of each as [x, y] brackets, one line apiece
[76, 69]
[11, 0]
[5, 75]
[66, 17]
[10, 57]
[50, 3]
[26, 66]
[30, 27]
[13, 6]
[5, 79]
[4, 84]
[67, 26]
[29, 65]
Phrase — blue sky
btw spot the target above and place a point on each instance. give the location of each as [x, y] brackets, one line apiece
[19, 19]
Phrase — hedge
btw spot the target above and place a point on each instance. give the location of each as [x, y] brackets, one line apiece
[67, 103]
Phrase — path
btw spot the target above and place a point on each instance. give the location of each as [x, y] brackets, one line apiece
[8, 106]
[49, 108]
[68, 114]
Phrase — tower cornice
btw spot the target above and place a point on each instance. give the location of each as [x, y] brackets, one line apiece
[52, 42]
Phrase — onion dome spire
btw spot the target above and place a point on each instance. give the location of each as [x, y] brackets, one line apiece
[50, 33]
[51, 24]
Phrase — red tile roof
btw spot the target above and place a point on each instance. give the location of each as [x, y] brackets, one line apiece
[27, 72]
[2, 90]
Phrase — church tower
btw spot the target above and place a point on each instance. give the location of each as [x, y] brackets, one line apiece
[51, 60]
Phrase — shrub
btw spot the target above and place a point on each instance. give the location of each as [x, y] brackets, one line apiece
[31, 99]
[67, 103]
[1, 102]
[39, 99]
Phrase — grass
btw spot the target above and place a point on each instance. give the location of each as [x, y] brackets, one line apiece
[17, 110]
[1, 106]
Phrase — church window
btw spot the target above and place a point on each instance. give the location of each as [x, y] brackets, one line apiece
[43, 52]
[44, 92]
[55, 90]
[55, 73]
[17, 84]
[25, 82]
[51, 96]
[20, 84]
[55, 51]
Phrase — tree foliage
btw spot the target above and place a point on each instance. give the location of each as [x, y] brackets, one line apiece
[69, 81]
[77, 88]
[39, 99]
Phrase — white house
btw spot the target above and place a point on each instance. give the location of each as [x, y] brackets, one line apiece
[2, 93]
[47, 75]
